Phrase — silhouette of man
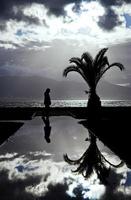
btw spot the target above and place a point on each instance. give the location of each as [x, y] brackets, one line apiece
[47, 129]
[47, 100]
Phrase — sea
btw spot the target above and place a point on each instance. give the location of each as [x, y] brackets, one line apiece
[64, 103]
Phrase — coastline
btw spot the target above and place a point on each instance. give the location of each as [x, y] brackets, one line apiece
[27, 113]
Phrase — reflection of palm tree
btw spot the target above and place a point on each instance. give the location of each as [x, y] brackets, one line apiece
[91, 70]
[92, 160]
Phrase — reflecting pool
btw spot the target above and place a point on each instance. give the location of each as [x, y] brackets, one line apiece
[32, 164]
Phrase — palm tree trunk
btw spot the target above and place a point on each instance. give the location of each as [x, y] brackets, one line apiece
[94, 99]
[93, 106]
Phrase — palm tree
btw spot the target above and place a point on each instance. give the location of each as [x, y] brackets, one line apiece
[92, 71]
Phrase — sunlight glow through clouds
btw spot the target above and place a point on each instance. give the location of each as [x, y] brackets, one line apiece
[86, 20]
[82, 25]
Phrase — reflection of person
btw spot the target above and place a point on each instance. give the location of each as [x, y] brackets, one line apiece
[47, 128]
[47, 100]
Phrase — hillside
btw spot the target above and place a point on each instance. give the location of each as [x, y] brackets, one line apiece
[33, 88]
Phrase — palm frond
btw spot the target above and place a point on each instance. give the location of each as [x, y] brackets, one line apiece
[88, 59]
[119, 65]
[102, 173]
[88, 172]
[101, 68]
[76, 60]
[103, 63]
[84, 66]
[71, 162]
[85, 169]
[99, 57]
[87, 67]
[71, 68]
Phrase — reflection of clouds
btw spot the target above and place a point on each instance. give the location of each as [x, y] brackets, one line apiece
[117, 188]
[8, 155]
[37, 175]
[42, 154]
[128, 179]
[15, 189]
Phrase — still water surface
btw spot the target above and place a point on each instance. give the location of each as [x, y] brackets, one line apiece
[32, 168]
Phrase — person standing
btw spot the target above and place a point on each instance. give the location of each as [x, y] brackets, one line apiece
[47, 100]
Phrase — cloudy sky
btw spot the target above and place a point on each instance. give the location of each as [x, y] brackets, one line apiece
[37, 37]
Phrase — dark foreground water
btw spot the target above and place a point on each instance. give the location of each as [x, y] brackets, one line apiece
[31, 168]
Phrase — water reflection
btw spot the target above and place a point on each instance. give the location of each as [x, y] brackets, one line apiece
[92, 160]
[47, 128]
[66, 136]
[36, 170]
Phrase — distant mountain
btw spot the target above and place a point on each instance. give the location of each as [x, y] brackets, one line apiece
[107, 90]
[33, 87]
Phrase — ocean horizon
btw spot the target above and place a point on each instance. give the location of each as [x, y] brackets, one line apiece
[64, 103]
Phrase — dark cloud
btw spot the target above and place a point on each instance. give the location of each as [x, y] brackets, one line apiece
[109, 21]
[12, 9]
[109, 195]
[111, 192]
[57, 191]
[16, 188]
[21, 17]
[107, 3]
[111, 2]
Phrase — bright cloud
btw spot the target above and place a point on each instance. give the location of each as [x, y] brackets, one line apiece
[80, 26]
